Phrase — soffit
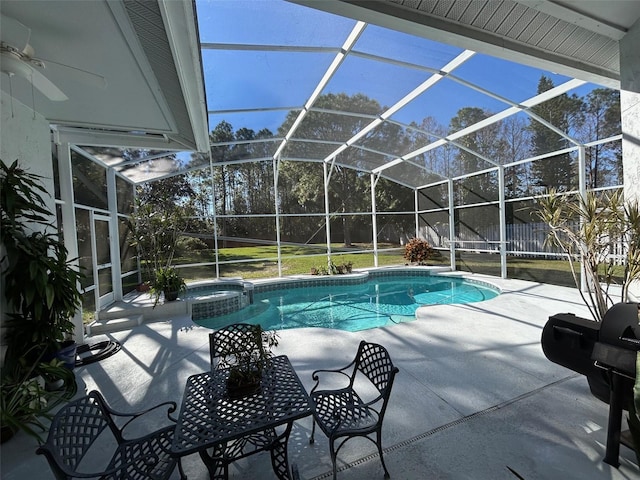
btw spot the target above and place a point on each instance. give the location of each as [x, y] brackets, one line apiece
[145, 50]
[575, 38]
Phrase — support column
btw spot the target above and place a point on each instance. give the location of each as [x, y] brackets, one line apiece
[417, 215]
[630, 115]
[452, 227]
[214, 214]
[503, 223]
[327, 217]
[69, 224]
[630, 110]
[112, 200]
[276, 169]
[374, 220]
[582, 189]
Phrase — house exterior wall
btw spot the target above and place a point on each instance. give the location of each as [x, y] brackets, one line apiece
[24, 136]
[630, 110]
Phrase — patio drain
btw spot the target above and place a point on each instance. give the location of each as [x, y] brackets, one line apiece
[446, 426]
[87, 354]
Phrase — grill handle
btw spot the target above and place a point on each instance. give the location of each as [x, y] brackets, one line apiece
[568, 332]
[631, 341]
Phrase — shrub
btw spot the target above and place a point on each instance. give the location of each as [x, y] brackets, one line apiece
[186, 245]
[418, 251]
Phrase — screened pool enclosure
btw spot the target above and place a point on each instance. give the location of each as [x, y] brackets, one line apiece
[333, 139]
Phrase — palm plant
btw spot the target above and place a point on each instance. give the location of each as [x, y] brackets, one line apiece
[589, 228]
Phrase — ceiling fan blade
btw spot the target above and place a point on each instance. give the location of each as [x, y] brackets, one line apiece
[46, 86]
[13, 65]
[88, 78]
[14, 33]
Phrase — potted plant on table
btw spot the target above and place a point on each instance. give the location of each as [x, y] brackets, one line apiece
[246, 361]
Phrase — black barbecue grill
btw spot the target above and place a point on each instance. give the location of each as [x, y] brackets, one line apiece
[605, 352]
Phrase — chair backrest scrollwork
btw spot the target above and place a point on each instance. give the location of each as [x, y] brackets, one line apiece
[374, 362]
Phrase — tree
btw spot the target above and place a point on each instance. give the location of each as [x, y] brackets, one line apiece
[438, 161]
[601, 119]
[162, 213]
[562, 112]
[485, 142]
[516, 139]
[349, 188]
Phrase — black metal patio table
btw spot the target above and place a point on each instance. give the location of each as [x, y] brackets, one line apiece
[237, 427]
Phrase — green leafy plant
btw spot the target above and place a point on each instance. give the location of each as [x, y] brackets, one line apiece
[418, 251]
[588, 229]
[333, 269]
[321, 270]
[155, 234]
[247, 359]
[169, 281]
[41, 284]
[25, 402]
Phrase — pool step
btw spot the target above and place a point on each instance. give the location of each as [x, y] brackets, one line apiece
[106, 325]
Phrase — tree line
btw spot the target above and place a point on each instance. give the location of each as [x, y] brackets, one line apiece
[244, 188]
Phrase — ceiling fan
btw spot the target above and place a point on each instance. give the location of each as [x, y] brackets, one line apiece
[17, 59]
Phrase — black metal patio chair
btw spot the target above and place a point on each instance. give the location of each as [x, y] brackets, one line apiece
[226, 341]
[87, 432]
[356, 410]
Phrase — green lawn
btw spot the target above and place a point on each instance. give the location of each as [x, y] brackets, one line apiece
[261, 262]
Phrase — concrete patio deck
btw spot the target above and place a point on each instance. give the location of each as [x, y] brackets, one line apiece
[475, 396]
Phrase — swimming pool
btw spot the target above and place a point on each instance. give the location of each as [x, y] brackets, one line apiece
[375, 302]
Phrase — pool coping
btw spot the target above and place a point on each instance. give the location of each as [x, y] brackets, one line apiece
[225, 302]
[138, 308]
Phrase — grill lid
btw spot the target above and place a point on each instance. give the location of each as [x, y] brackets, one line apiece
[619, 323]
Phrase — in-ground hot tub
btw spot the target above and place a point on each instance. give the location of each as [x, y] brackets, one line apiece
[215, 298]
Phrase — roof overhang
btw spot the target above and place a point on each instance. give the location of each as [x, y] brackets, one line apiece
[146, 50]
[575, 38]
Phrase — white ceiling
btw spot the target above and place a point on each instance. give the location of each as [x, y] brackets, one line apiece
[147, 51]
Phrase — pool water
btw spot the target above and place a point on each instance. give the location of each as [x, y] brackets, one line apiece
[377, 303]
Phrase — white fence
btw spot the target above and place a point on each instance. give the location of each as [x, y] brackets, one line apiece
[524, 239]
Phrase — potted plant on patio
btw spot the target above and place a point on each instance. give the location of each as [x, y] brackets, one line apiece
[169, 281]
[25, 396]
[246, 361]
[41, 285]
[155, 231]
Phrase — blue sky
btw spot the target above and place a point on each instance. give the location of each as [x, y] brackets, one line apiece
[258, 79]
